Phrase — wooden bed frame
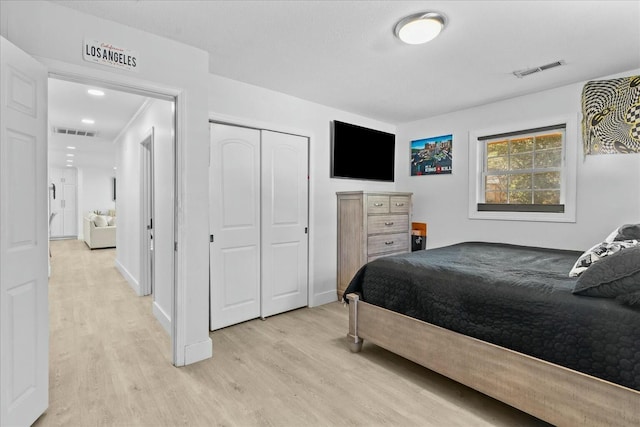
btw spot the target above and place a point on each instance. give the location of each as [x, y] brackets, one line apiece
[550, 392]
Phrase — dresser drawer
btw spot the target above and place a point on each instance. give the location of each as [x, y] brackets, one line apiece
[399, 204]
[387, 224]
[377, 204]
[382, 243]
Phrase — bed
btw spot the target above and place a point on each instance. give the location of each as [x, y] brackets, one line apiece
[506, 321]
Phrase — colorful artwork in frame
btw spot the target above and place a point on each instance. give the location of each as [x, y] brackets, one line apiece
[432, 156]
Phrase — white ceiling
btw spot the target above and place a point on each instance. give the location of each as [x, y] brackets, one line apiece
[69, 103]
[343, 53]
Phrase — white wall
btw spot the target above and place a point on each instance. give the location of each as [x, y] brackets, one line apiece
[254, 106]
[157, 115]
[54, 35]
[608, 193]
[128, 204]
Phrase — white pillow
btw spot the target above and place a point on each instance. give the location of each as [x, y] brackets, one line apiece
[112, 221]
[100, 221]
[599, 251]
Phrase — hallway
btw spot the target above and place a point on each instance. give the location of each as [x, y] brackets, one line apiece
[105, 344]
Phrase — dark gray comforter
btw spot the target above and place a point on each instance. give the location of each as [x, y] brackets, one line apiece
[517, 297]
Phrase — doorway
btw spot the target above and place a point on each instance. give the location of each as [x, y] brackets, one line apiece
[24, 123]
[127, 141]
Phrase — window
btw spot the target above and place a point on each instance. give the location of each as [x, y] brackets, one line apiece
[525, 173]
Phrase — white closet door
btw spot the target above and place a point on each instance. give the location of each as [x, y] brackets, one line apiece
[235, 224]
[284, 222]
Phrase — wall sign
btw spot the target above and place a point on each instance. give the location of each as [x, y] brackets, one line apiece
[107, 54]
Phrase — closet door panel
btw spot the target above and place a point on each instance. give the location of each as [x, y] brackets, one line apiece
[235, 225]
[284, 222]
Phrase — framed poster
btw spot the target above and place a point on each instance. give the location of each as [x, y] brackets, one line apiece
[432, 156]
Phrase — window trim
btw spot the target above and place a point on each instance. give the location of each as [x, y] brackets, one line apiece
[568, 180]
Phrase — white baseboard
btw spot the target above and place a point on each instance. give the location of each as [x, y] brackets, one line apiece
[199, 351]
[135, 285]
[162, 317]
[324, 298]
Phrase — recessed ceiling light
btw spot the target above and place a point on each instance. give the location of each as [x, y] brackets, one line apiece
[70, 147]
[88, 121]
[420, 27]
[69, 166]
[70, 155]
[69, 161]
[95, 92]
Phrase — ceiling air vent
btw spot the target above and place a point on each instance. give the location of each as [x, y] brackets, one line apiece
[523, 73]
[77, 132]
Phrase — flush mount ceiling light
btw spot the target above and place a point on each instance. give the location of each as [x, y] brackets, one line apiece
[95, 92]
[420, 28]
[88, 121]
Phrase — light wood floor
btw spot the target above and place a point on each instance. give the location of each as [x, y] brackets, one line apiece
[110, 365]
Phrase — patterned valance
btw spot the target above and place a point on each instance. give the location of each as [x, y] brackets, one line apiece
[611, 116]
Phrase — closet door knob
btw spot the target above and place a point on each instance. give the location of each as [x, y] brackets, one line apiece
[389, 242]
[388, 223]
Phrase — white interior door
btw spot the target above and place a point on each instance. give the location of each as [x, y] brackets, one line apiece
[70, 203]
[234, 183]
[284, 222]
[64, 207]
[147, 258]
[24, 322]
[56, 226]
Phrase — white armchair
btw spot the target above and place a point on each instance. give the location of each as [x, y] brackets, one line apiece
[101, 235]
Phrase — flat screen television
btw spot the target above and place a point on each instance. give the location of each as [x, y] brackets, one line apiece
[361, 153]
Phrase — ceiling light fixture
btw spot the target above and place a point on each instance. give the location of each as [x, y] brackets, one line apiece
[95, 92]
[70, 155]
[420, 27]
[88, 121]
[70, 147]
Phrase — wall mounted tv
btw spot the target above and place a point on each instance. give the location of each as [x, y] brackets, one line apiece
[361, 153]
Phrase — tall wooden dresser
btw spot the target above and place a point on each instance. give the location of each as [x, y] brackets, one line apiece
[370, 225]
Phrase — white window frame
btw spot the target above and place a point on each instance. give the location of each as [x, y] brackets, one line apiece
[568, 183]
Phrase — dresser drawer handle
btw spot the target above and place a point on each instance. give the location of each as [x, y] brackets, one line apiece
[388, 223]
[399, 204]
[389, 243]
[378, 204]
